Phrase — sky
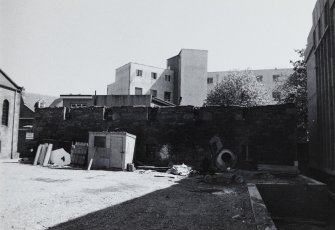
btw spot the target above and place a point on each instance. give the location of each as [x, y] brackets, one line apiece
[58, 47]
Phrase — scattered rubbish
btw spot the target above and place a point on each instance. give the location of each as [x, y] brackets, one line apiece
[38, 152]
[236, 216]
[182, 170]
[47, 155]
[142, 171]
[90, 165]
[158, 169]
[79, 152]
[42, 154]
[131, 167]
[223, 177]
[60, 157]
[172, 177]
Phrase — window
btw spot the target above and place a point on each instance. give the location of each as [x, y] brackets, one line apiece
[210, 80]
[153, 93]
[167, 96]
[167, 78]
[154, 76]
[138, 91]
[259, 78]
[5, 112]
[275, 78]
[276, 96]
[139, 72]
[100, 142]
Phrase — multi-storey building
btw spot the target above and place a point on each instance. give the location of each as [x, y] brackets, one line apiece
[320, 58]
[270, 78]
[138, 79]
[185, 81]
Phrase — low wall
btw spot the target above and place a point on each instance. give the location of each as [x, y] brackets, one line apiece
[180, 134]
[302, 201]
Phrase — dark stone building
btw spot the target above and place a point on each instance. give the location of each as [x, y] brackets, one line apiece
[320, 58]
[29, 102]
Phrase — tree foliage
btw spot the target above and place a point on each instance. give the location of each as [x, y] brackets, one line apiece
[294, 90]
[238, 88]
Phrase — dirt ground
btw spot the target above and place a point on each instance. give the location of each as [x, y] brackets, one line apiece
[39, 198]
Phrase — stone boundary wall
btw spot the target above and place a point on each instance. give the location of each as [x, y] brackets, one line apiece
[180, 134]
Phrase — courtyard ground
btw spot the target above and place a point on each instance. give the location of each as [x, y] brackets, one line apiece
[34, 197]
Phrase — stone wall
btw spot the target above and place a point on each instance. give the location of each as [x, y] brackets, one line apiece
[180, 134]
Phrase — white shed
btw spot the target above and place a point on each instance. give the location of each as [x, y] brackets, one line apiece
[111, 149]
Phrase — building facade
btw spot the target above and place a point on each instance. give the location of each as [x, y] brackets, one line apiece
[320, 59]
[270, 78]
[138, 79]
[29, 102]
[190, 68]
[185, 81]
[10, 98]
[81, 101]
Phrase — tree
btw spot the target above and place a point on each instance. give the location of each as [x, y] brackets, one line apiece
[238, 88]
[294, 90]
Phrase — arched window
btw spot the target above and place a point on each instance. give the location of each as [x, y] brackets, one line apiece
[5, 112]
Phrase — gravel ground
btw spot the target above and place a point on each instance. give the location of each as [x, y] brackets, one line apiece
[39, 198]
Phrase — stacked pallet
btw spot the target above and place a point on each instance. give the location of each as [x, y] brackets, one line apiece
[79, 154]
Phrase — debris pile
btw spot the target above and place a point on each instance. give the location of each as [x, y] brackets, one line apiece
[46, 157]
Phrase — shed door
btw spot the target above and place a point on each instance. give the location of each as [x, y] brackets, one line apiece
[115, 160]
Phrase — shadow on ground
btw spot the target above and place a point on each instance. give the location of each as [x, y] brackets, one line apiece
[189, 204]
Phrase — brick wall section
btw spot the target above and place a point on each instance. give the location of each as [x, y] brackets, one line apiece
[180, 134]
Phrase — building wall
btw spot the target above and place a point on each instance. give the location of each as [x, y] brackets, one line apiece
[68, 102]
[9, 134]
[180, 134]
[147, 83]
[320, 58]
[267, 75]
[174, 64]
[193, 72]
[126, 81]
[122, 100]
[122, 81]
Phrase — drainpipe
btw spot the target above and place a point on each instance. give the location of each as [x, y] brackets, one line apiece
[13, 128]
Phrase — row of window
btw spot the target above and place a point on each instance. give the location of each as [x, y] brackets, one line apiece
[153, 92]
[139, 73]
[259, 78]
[78, 105]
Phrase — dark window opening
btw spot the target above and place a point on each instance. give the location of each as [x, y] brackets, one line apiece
[153, 93]
[167, 96]
[276, 96]
[209, 80]
[139, 72]
[154, 75]
[167, 78]
[275, 78]
[5, 112]
[259, 78]
[100, 142]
